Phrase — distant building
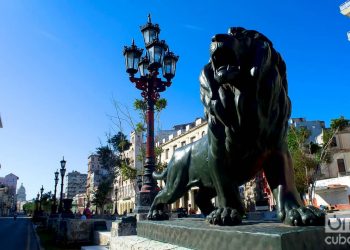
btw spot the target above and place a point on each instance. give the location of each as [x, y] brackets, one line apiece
[5, 201]
[10, 181]
[94, 176]
[79, 203]
[75, 184]
[124, 191]
[315, 127]
[345, 8]
[340, 150]
[21, 193]
[183, 135]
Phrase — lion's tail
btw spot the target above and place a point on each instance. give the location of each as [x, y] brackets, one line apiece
[160, 176]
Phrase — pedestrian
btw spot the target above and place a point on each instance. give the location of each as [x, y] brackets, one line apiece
[87, 211]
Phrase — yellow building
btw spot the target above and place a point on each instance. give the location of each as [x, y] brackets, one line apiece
[184, 134]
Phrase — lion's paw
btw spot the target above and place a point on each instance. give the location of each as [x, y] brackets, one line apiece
[305, 216]
[157, 215]
[224, 217]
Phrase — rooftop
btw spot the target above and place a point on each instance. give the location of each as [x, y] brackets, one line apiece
[345, 8]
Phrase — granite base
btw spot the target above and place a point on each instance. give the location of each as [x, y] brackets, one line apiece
[196, 233]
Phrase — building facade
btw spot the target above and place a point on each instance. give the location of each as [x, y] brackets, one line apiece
[93, 175]
[315, 127]
[21, 193]
[340, 150]
[124, 190]
[10, 181]
[345, 10]
[5, 201]
[184, 134]
[75, 184]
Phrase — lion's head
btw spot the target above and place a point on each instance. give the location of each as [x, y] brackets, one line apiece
[244, 86]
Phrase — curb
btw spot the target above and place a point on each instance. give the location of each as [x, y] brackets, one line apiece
[38, 243]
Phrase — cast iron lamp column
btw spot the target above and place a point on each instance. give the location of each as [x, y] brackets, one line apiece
[62, 171]
[157, 56]
[54, 207]
[41, 196]
[37, 202]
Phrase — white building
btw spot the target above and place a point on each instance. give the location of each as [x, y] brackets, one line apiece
[94, 175]
[75, 184]
[333, 186]
[340, 150]
[315, 127]
[10, 181]
[124, 190]
[345, 8]
[21, 193]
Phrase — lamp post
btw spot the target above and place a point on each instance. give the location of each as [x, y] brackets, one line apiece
[54, 206]
[157, 56]
[37, 202]
[62, 171]
[41, 196]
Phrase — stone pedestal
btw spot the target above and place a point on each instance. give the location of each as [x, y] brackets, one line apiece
[144, 201]
[123, 227]
[197, 234]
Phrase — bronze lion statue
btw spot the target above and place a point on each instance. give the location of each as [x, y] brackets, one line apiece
[245, 95]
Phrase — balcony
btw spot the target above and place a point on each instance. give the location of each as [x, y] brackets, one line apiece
[345, 8]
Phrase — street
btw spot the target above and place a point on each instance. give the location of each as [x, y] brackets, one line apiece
[17, 234]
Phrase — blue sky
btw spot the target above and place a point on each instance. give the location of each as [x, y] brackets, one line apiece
[61, 66]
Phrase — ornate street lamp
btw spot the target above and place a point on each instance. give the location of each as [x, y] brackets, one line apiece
[62, 171]
[54, 206]
[157, 56]
[41, 196]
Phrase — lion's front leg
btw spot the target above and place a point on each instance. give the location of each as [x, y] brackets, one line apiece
[290, 208]
[230, 209]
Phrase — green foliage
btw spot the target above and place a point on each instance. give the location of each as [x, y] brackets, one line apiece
[101, 195]
[106, 157]
[140, 105]
[160, 167]
[307, 158]
[119, 142]
[29, 207]
[339, 123]
[160, 105]
[296, 138]
[128, 172]
[140, 127]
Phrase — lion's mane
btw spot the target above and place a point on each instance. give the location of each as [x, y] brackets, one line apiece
[253, 107]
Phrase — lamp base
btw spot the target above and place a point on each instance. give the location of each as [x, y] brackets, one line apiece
[144, 201]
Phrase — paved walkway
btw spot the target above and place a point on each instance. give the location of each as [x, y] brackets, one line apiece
[17, 234]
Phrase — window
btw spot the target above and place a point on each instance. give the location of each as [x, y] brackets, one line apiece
[203, 133]
[341, 165]
[334, 142]
[174, 148]
[166, 153]
[183, 143]
[192, 139]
